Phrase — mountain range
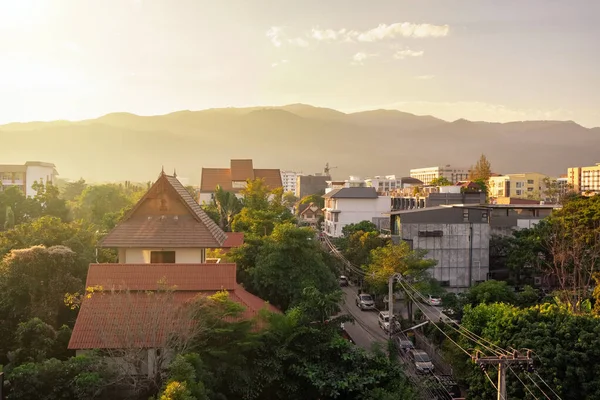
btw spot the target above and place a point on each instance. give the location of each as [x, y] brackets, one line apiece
[298, 137]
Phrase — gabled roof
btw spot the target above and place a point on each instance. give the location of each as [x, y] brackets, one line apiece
[166, 216]
[352, 193]
[240, 170]
[121, 313]
[234, 239]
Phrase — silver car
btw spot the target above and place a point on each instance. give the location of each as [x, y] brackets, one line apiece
[421, 361]
[364, 302]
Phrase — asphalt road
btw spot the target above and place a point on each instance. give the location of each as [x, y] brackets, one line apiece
[365, 331]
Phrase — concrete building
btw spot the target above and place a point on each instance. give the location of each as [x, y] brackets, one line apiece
[529, 185]
[24, 176]
[584, 180]
[234, 178]
[435, 196]
[453, 174]
[458, 239]
[288, 180]
[311, 184]
[458, 236]
[390, 183]
[350, 205]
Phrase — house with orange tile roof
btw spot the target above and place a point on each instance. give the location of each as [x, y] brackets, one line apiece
[310, 215]
[234, 178]
[162, 245]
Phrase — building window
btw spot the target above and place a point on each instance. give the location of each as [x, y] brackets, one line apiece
[162, 257]
[519, 192]
[7, 176]
[238, 184]
[519, 184]
[530, 189]
[530, 181]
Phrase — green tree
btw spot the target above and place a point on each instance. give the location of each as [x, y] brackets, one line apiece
[491, 292]
[49, 200]
[313, 198]
[102, 205]
[360, 245]
[72, 190]
[562, 344]
[287, 262]
[78, 378]
[481, 170]
[263, 210]
[24, 208]
[365, 226]
[440, 181]
[9, 221]
[228, 206]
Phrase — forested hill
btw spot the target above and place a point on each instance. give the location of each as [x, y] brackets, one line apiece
[298, 137]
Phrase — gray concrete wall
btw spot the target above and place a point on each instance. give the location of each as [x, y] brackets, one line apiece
[311, 184]
[452, 250]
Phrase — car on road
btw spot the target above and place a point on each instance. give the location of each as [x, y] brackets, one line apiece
[364, 301]
[434, 300]
[383, 320]
[343, 280]
[403, 344]
[421, 361]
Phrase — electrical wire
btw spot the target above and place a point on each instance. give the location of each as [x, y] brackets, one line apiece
[548, 386]
[523, 383]
[492, 382]
[538, 386]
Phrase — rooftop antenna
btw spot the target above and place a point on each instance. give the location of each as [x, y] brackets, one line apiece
[174, 173]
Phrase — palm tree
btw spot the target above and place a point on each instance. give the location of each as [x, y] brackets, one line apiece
[228, 206]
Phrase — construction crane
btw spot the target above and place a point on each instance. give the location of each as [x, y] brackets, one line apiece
[327, 169]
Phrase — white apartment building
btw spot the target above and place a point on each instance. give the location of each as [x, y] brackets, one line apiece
[24, 176]
[453, 174]
[288, 180]
[350, 205]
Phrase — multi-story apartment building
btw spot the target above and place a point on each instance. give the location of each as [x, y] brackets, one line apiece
[311, 184]
[391, 183]
[24, 176]
[453, 174]
[585, 180]
[350, 205]
[288, 180]
[529, 185]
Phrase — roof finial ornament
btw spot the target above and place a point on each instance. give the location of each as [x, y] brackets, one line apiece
[162, 172]
[174, 173]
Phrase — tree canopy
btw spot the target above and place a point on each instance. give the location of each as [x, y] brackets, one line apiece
[440, 181]
[482, 170]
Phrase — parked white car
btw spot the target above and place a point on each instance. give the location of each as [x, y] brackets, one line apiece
[434, 300]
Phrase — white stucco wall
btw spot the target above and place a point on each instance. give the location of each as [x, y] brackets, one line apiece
[36, 173]
[182, 256]
[352, 211]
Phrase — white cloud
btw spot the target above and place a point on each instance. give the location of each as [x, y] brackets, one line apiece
[401, 29]
[274, 34]
[402, 54]
[360, 57]
[425, 77]
[381, 32]
[281, 62]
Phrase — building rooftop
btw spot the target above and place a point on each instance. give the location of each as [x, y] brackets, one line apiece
[121, 313]
[239, 171]
[166, 216]
[352, 193]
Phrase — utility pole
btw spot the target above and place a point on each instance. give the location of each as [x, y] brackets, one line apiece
[391, 305]
[503, 362]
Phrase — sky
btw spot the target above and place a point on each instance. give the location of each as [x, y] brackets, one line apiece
[493, 60]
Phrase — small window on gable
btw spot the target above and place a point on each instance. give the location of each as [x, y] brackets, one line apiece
[162, 257]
